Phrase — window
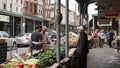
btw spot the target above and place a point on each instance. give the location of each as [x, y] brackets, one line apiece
[16, 1]
[21, 1]
[40, 10]
[35, 8]
[16, 9]
[48, 1]
[10, 5]
[26, 5]
[30, 7]
[21, 10]
[48, 13]
[4, 4]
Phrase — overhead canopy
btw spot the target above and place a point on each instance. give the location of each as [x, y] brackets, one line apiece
[83, 4]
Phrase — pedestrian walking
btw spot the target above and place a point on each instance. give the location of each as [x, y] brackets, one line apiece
[95, 41]
[110, 36]
[82, 48]
[103, 36]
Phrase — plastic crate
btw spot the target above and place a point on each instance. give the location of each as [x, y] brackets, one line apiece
[3, 52]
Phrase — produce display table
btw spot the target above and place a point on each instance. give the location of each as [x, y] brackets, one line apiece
[64, 62]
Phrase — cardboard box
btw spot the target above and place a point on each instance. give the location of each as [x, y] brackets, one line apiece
[2, 41]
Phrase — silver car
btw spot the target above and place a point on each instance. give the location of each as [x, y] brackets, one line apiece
[9, 40]
[23, 39]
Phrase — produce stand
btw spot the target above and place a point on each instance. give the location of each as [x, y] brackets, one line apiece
[3, 51]
[65, 62]
[46, 59]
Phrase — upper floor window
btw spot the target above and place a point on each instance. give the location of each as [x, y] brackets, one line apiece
[4, 4]
[35, 8]
[21, 1]
[21, 10]
[48, 13]
[48, 1]
[17, 1]
[30, 7]
[11, 5]
[26, 5]
[40, 10]
[16, 9]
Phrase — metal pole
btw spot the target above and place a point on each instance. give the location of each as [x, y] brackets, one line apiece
[21, 26]
[43, 13]
[13, 26]
[80, 14]
[33, 24]
[93, 24]
[54, 24]
[23, 18]
[67, 25]
[58, 32]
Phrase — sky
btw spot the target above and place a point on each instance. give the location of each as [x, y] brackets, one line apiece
[73, 4]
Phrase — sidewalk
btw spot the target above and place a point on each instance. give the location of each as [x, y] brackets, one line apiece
[103, 58]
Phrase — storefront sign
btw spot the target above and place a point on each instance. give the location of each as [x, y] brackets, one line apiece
[105, 22]
[110, 11]
[4, 18]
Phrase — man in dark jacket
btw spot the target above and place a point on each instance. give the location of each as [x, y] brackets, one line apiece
[82, 47]
[110, 38]
[36, 38]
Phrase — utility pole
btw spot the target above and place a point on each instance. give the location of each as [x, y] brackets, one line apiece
[54, 24]
[67, 29]
[43, 12]
[58, 21]
[23, 17]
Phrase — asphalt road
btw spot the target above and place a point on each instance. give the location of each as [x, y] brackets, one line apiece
[21, 50]
[103, 58]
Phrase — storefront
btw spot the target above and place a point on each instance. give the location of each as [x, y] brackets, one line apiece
[5, 23]
[13, 24]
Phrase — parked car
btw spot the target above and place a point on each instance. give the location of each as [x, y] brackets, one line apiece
[53, 35]
[9, 40]
[23, 39]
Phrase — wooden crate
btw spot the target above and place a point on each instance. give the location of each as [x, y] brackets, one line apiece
[2, 41]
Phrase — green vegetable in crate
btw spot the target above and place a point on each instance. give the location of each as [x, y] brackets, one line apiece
[32, 61]
[8, 65]
[15, 60]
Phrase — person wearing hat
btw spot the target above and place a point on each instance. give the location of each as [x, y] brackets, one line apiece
[82, 47]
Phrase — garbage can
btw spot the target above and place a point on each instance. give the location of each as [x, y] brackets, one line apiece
[3, 52]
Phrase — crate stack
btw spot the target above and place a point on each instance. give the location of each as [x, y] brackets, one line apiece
[3, 51]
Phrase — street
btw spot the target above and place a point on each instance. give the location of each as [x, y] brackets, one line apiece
[21, 50]
[103, 58]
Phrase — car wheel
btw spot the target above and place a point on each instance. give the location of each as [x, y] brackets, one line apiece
[14, 46]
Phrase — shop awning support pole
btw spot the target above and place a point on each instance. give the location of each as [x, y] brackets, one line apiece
[58, 31]
[67, 30]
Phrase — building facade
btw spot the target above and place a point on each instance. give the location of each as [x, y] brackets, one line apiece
[19, 16]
